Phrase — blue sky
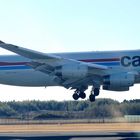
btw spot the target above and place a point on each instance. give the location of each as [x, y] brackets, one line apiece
[70, 25]
[73, 25]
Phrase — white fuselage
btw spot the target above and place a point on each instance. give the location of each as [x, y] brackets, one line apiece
[14, 71]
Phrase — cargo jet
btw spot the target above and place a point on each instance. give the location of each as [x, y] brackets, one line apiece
[111, 70]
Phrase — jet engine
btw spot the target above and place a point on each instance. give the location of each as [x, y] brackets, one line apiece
[72, 71]
[118, 82]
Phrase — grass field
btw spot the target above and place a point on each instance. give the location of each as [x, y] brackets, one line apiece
[71, 127]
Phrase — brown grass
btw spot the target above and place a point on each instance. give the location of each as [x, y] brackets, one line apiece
[71, 127]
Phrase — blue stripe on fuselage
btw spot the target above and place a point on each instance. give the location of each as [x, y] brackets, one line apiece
[108, 63]
[14, 67]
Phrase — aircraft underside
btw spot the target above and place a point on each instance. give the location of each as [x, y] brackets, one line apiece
[34, 78]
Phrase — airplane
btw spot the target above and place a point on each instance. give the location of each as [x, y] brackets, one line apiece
[111, 70]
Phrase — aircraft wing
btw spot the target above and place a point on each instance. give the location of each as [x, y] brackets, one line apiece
[31, 54]
[47, 62]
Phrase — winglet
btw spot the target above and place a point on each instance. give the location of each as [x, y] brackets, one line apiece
[1, 42]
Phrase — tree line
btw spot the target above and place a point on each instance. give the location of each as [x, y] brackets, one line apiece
[106, 108]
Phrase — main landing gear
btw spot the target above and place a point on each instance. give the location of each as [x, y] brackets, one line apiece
[81, 94]
[94, 92]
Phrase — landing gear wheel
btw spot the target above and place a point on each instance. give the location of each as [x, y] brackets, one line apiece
[92, 98]
[96, 91]
[82, 95]
[75, 96]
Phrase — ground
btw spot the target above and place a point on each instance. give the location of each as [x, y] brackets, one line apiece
[96, 127]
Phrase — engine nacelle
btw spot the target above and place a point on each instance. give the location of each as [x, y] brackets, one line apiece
[72, 71]
[119, 82]
[111, 88]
